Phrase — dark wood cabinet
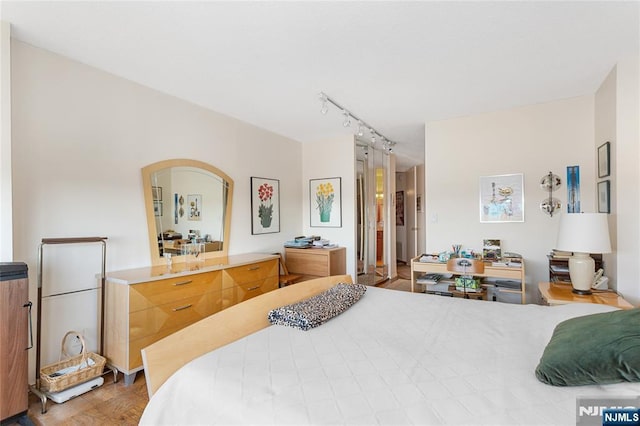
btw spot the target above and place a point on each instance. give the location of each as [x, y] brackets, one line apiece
[14, 340]
[559, 267]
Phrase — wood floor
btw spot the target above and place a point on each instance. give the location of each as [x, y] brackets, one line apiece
[110, 404]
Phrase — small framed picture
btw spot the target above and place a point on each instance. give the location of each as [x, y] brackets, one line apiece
[325, 197]
[194, 206]
[604, 160]
[157, 208]
[265, 205]
[156, 191]
[604, 203]
[502, 198]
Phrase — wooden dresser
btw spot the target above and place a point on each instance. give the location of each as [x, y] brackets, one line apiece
[316, 262]
[146, 304]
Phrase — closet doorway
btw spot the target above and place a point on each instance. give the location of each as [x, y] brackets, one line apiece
[372, 214]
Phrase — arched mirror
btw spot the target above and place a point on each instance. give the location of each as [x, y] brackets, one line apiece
[187, 201]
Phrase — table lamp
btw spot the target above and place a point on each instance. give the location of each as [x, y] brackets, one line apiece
[582, 234]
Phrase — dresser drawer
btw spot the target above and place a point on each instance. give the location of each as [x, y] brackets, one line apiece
[246, 291]
[177, 313]
[141, 309]
[154, 293]
[308, 264]
[250, 273]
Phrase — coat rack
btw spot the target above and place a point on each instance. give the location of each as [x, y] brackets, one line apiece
[56, 241]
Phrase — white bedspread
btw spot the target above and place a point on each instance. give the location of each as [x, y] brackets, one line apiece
[392, 358]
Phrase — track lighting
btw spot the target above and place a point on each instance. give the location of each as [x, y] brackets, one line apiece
[347, 119]
[325, 107]
[386, 143]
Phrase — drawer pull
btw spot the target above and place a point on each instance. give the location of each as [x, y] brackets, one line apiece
[253, 268]
[253, 288]
[181, 308]
[183, 282]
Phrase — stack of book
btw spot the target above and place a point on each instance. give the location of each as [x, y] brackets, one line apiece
[433, 282]
[299, 242]
[511, 260]
[560, 254]
[429, 258]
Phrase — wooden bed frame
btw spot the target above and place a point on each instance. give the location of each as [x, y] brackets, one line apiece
[166, 356]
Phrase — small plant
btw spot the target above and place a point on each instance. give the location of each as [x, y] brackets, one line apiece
[265, 210]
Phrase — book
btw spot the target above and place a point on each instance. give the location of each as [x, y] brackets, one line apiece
[429, 258]
[430, 278]
[437, 287]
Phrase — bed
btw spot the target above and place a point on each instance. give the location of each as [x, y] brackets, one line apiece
[392, 358]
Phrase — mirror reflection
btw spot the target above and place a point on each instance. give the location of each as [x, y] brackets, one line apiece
[188, 206]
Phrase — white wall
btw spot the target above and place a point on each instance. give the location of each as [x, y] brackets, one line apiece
[327, 159]
[605, 131]
[6, 231]
[532, 140]
[80, 139]
[627, 178]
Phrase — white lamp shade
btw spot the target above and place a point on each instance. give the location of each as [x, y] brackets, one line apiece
[584, 233]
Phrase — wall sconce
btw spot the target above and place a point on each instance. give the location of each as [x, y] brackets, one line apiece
[550, 183]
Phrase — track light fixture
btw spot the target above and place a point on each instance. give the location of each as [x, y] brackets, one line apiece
[325, 108]
[387, 144]
[347, 118]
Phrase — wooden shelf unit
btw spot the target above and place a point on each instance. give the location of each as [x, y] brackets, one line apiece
[559, 267]
[316, 262]
[499, 272]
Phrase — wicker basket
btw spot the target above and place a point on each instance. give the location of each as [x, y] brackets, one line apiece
[55, 383]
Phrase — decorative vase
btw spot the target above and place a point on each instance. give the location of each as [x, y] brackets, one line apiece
[265, 220]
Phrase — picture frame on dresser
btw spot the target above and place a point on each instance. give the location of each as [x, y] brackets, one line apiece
[265, 205]
[604, 202]
[604, 160]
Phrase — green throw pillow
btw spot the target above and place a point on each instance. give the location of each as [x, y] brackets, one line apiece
[593, 349]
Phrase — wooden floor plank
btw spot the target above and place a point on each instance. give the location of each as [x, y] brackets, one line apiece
[111, 403]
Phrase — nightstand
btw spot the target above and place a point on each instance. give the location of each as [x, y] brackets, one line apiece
[560, 294]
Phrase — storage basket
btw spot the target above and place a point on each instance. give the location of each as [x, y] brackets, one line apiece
[55, 383]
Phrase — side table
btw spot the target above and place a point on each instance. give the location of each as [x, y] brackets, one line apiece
[559, 293]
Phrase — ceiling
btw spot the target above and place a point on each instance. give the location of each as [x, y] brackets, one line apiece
[397, 65]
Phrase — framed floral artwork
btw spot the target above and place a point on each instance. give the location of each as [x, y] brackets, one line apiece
[265, 205]
[325, 196]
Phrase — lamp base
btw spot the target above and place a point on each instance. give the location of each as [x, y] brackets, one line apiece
[581, 268]
[581, 292]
